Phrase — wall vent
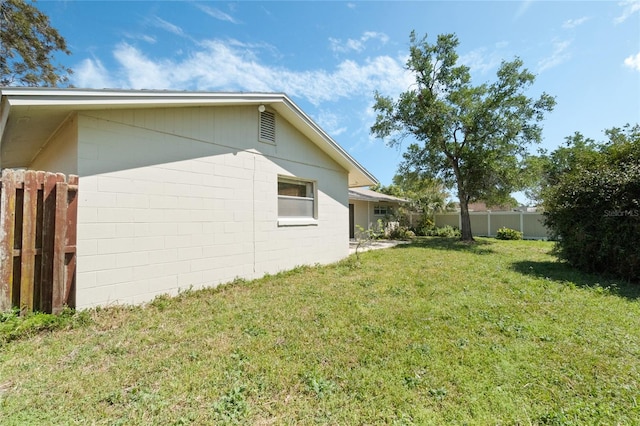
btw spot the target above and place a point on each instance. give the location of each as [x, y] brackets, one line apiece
[267, 127]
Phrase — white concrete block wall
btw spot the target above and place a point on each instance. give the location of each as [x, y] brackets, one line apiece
[187, 197]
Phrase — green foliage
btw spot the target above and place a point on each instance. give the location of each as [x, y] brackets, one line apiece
[319, 386]
[508, 234]
[592, 202]
[473, 138]
[423, 226]
[14, 326]
[446, 231]
[401, 233]
[231, 406]
[425, 194]
[28, 44]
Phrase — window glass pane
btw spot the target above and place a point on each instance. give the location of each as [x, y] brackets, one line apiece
[295, 207]
[292, 189]
[382, 210]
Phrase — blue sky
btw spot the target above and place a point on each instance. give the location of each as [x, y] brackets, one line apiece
[331, 56]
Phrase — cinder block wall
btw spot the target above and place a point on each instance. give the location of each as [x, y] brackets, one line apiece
[182, 198]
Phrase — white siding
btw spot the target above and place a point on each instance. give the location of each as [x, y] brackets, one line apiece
[187, 197]
[60, 154]
[363, 215]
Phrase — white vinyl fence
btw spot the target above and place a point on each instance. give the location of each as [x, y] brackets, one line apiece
[487, 223]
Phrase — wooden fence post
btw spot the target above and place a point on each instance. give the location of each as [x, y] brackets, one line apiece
[28, 246]
[71, 236]
[7, 236]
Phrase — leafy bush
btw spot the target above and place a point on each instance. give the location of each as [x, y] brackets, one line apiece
[424, 226]
[508, 234]
[446, 231]
[596, 218]
[401, 233]
[593, 204]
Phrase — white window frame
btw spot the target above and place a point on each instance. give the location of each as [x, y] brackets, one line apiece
[388, 210]
[306, 220]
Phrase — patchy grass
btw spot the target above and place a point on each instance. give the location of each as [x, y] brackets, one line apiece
[15, 326]
[436, 332]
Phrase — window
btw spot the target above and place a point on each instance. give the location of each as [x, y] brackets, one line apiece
[382, 210]
[296, 201]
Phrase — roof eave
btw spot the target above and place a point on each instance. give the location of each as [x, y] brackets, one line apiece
[79, 99]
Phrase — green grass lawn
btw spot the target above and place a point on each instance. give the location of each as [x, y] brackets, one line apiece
[436, 332]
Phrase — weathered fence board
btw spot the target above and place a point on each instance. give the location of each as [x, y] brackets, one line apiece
[38, 215]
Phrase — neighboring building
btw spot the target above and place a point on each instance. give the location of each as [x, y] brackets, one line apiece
[481, 206]
[183, 190]
[366, 207]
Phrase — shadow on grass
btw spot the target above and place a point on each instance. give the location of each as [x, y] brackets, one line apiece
[559, 271]
[450, 244]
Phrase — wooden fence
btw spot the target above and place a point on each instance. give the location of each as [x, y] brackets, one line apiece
[531, 224]
[38, 215]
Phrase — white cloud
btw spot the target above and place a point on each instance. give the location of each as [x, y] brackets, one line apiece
[524, 6]
[331, 123]
[629, 8]
[167, 26]
[572, 23]
[144, 37]
[633, 62]
[90, 73]
[558, 56]
[231, 66]
[141, 72]
[217, 13]
[481, 60]
[357, 45]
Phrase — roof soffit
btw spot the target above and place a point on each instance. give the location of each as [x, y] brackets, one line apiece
[44, 109]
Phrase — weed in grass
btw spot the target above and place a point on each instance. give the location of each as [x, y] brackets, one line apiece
[364, 283]
[415, 380]
[14, 326]
[161, 302]
[254, 331]
[318, 385]
[438, 393]
[375, 330]
[397, 291]
[232, 406]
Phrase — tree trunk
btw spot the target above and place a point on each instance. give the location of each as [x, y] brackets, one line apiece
[465, 220]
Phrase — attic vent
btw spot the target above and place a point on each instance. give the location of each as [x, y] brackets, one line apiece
[267, 127]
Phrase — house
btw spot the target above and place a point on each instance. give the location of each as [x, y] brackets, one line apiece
[183, 190]
[481, 206]
[366, 207]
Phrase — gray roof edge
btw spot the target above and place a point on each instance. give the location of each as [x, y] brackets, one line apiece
[369, 195]
[92, 98]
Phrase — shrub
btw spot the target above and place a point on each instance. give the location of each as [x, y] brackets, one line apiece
[592, 204]
[508, 234]
[446, 231]
[596, 218]
[423, 226]
[401, 233]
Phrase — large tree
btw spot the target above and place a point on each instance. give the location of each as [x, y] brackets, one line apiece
[474, 138]
[28, 44]
[426, 194]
